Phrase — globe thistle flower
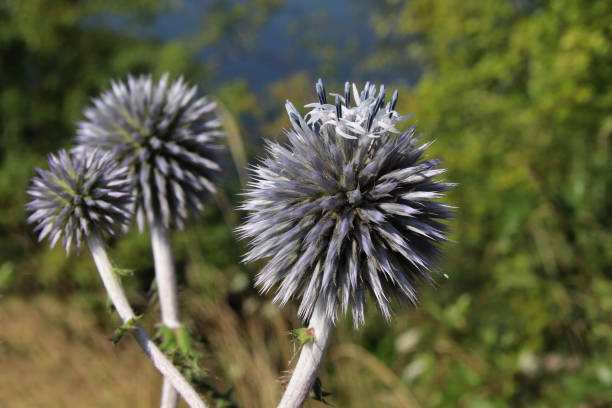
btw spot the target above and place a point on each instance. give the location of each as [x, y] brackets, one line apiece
[79, 198]
[346, 207]
[166, 136]
[79, 195]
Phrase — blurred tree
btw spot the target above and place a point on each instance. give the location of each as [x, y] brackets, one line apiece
[519, 97]
[55, 55]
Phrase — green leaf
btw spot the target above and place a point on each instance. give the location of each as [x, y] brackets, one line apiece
[125, 327]
[168, 339]
[184, 341]
[303, 335]
[110, 308]
[123, 272]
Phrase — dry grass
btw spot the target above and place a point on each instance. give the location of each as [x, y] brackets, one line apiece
[54, 355]
[362, 367]
[241, 353]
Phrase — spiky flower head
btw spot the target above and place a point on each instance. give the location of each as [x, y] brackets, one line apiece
[80, 194]
[346, 207]
[168, 138]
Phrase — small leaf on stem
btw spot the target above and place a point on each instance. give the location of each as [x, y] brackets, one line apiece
[125, 327]
[185, 342]
[303, 335]
[123, 272]
[168, 339]
[110, 308]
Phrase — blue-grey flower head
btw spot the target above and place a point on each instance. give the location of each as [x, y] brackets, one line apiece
[80, 194]
[346, 207]
[168, 138]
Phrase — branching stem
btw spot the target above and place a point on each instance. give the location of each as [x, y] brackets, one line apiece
[117, 295]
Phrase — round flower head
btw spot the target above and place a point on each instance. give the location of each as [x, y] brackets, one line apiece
[79, 195]
[345, 208]
[167, 137]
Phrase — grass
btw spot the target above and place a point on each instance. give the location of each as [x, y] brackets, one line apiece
[54, 354]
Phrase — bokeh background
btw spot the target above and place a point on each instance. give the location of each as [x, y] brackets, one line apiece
[517, 95]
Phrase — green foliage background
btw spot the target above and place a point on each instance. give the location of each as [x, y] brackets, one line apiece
[517, 95]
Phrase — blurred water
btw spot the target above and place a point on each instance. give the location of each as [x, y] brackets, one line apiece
[291, 39]
[334, 40]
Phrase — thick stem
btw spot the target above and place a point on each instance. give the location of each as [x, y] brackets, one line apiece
[167, 293]
[165, 276]
[169, 397]
[307, 367]
[117, 295]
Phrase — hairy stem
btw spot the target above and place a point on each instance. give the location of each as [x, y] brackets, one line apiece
[307, 367]
[167, 293]
[117, 295]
